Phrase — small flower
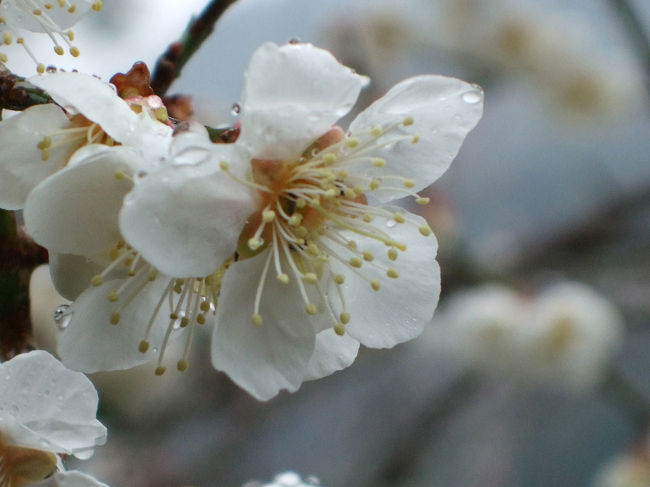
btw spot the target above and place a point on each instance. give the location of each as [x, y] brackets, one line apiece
[45, 409]
[40, 140]
[314, 259]
[52, 17]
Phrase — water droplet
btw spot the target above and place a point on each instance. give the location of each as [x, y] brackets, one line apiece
[294, 40]
[62, 316]
[235, 109]
[391, 223]
[472, 97]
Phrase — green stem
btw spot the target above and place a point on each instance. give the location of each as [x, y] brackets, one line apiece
[170, 64]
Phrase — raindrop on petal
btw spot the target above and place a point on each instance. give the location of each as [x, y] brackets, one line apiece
[472, 97]
[62, 316]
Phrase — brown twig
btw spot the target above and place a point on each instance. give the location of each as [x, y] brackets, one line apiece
[18, 94]
[170, 64]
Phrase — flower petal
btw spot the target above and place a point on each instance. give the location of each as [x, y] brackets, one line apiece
[331, 354]
[71, 274]
[275, 355]
[21, 161]
[404, 305]
[90, 342]
[443, 110]
[98, 102]
[52, 408]
[292, 95]
[75, 211]
[185, 219]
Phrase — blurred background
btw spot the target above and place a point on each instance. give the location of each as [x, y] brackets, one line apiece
[552, 186]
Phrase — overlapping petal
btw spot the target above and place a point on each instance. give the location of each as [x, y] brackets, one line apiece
[292, 95]
[331, 354]
[21, 160]
[48, 407]
[443, 111]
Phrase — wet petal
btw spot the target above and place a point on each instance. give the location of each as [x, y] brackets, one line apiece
[331, 354]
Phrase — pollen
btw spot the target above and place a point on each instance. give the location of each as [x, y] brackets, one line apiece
[97, 280]
[409, 183]
[345, 317]
[283, 278]
[424, 230]
[378, 162]
[339, 279]
[376, 131]
[143, 346]
[339, 329]
[160, 370]
[392, 254]
[181, 365]
[311, 309]
[59, 50]
[257, 319]
[368, 256]
[392, 273]
[352, 142]
[355, 262]
[115, 318]
[113, 296]
[423, 200]
[408, 121]
[375, 284]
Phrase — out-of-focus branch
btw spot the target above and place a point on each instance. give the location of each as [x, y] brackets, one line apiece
[636, 31]
[18, 94]
[170, 64]
[20, 255]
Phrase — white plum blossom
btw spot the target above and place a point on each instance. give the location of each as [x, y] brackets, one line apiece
[40, 140]
[564, 336]
[45, 409]
[292, 219]
[52, 17]
[286, 479]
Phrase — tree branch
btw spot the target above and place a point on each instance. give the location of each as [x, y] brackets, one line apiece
[170, 64]
[17, 94]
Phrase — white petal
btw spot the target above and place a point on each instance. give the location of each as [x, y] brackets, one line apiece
[273, 356]
[75, 211]
[97, 101]
[20, 160]
[90, 343]
[21, 16]
[185, 219]
[402, 307]
[52, 408]
[71, 478]
[443, 109]
[331, 354]
[292, 95]
[71, 274]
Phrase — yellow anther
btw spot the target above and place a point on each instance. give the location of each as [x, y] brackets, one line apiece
[392, 273]
[295, 219]
[342, 174]
[152, 275]
[181, 365]
[409, 183]
[74, 51]
[352, 142]
[268, 216]
[8, 39]
[345, 317]
[61, 3]
[392, 254]
[97, 6]
[205, 306]
[49, 6]
[184, 321]
[113, 296]
[313, 249]
[378, 162]
[178, 286]
[376, 131]
[97, 280]
[355, 262]
[424, 230]
[358, 190]
[423, 200]
[257, 319]
[301, 203]
[352, 244]
[20, 40]
[339, 279]
[368, 256]
[160, 370]
[399, 246]
[302, 233]
[200, 319]
[115, 318]
[119, 175]
[4, 59]
[415, 139]
[114, 253]
[374, 184]
[330, 158]
[283, 278]
[45, 155]
[143, 346]
[349, 193]
[73, 8]
[311, 309]
[45, 142]
[399, 218]
[376, 285]
[37, 11]
[254, 243]
[339, 329]
[366, 218]
[310, 278]
[58, 50]
[224, 165]
[408, 121]
[173, 316]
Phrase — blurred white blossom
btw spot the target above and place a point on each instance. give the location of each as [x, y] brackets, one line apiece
[629, 470]
[287, 479]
